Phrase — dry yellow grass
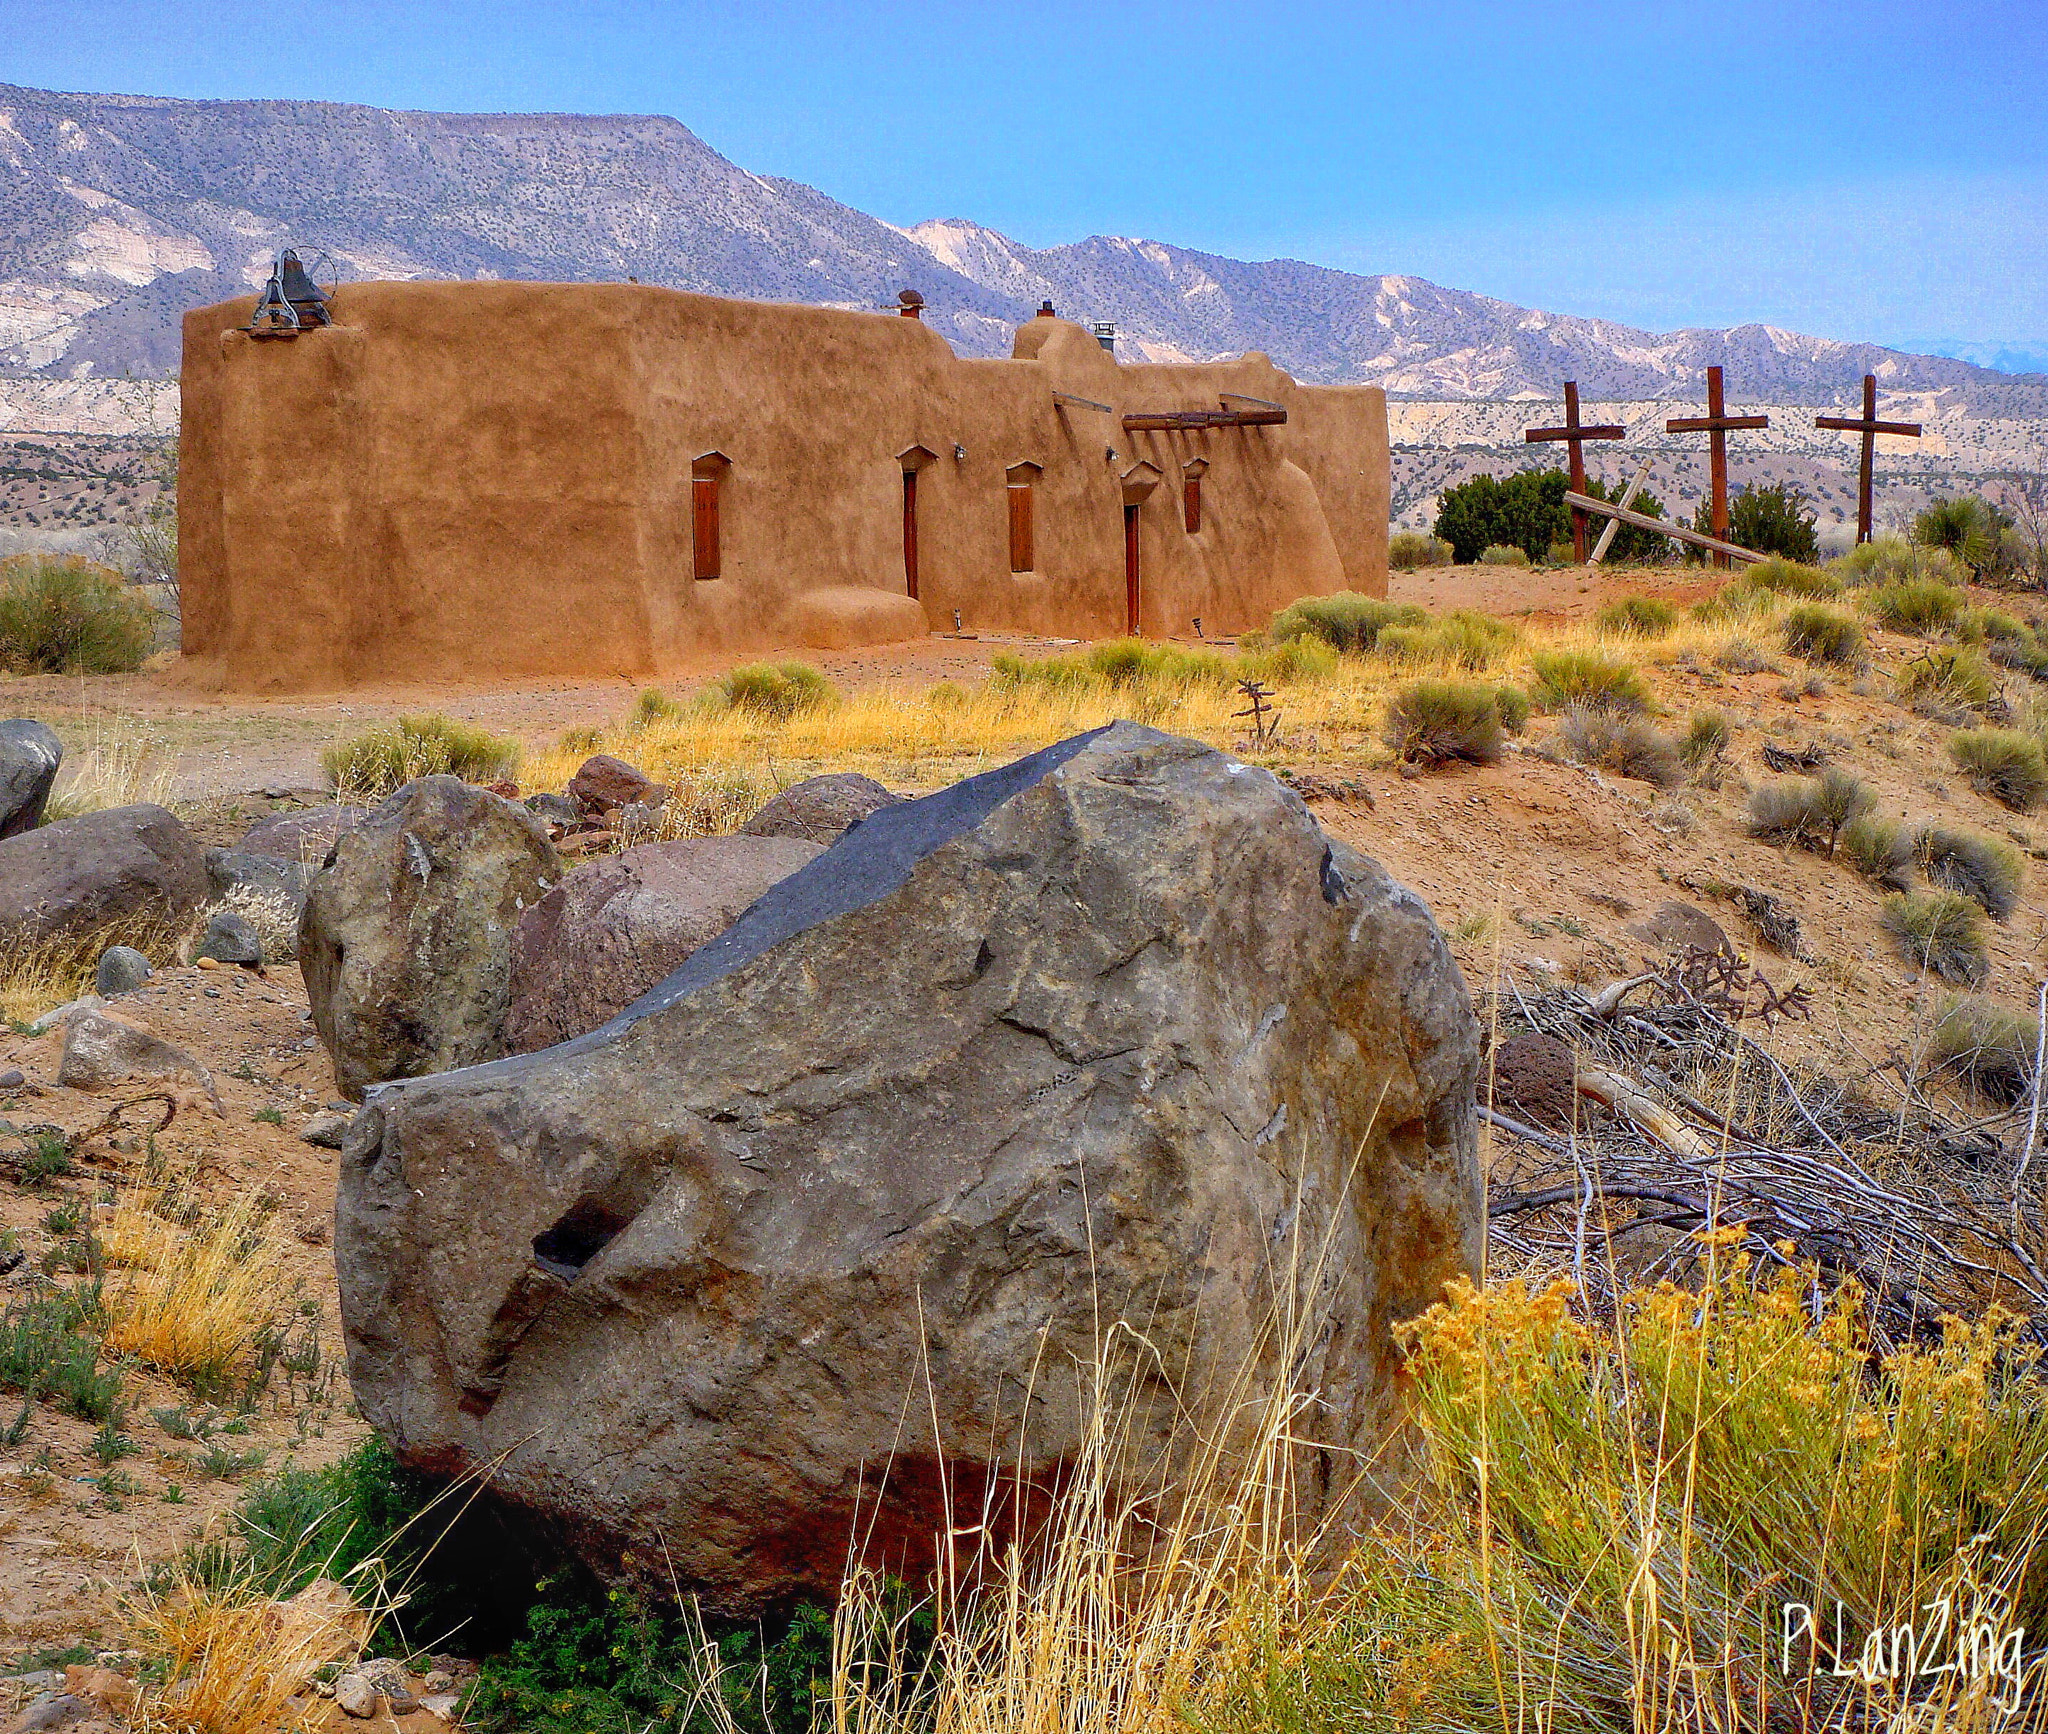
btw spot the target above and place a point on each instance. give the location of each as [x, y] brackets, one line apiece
[121, 762]
[232, 1660]
[37, 974]
[192, 1300]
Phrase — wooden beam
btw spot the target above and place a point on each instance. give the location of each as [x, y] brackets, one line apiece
[1602, 430]
[1167, 421]
[1068, 398]
[1643, 521]
[1239, 397]
[1714, 423]
[1848, 424]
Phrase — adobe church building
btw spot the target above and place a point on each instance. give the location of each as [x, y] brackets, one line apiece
[487, 481]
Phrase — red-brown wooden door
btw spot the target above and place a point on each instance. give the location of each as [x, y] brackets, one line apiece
[910, 533]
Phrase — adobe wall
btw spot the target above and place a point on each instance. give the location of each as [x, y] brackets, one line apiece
[493, 481]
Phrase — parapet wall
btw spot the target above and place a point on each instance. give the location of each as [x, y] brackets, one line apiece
[483, 481]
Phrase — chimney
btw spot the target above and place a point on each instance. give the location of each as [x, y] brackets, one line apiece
[910, 304]
[1105, 334]
[1045, 310]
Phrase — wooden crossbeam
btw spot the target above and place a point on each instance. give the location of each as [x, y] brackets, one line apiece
[1167, 421]
[1574, 434]
[1073, 402]
[1869, 427]
[1643, 521]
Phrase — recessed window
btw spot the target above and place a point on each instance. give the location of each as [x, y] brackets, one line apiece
[1191, 474]
[708, 477]
[1022, 488]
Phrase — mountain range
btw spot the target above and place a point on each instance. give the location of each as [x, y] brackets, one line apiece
[119, 212]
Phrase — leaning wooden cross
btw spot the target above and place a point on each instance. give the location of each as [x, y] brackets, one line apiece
[1575, 435]
[1724, 551]
[1869, 427]
[1718, 424]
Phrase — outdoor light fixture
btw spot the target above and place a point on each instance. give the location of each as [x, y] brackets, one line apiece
[959, 453]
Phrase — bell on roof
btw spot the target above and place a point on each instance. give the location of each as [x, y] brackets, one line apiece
[290, 301]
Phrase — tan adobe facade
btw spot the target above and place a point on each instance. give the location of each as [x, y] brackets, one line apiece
[482, 481]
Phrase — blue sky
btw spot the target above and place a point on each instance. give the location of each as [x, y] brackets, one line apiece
[1873, 171]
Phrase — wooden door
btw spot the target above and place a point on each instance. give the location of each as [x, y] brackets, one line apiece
[704, 497]
[910, 533]
[1131, 589]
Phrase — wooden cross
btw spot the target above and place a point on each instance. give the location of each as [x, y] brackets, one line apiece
[1717, 423]
[1574, 435]
[1869, 427]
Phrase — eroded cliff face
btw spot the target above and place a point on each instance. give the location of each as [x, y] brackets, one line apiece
[1109, 1053]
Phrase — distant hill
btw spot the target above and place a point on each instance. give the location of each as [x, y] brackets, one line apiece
[119, 212]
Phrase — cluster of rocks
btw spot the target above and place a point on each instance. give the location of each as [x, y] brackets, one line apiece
[809, 1154]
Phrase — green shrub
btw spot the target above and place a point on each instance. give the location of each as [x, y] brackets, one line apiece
[1706, 738]
[1774, 519]
[1881, 849]
[1294, 659]
[1940, 931]
[776, 691]
[63, 615]
[1560, 554]
[1989, 872]
[2026, 653]
[1465, 636]
[1993, 1048]
[1781, 577]
[47, 1350]
[1345, 622]
[1587, 677]
[1513, 704]
[1740, 656]
[1811, 812]
[1916, 605]
[1821, 634]
[374, 764]
[1124, 665]
[653, 706]
[1637, 617]
[1435, 722]
[1408, 549]
[1628, 746]
[1976, 532]
[1503, 554]
[2003, 763]
[1949, 675]
[1524, 511]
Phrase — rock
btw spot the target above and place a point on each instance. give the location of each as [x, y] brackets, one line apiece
[1680, 926]
[356, 1696]
[1114, 1033]
[13, 1078]
[442, 1705]
[589, 843]
[121, 969]
[304, 837]
[101, 1687]
[102, 1049]
[230, 939]
[1535, 1080]
[263, 875]
[604, 781]
[319, 1625]
[439, 1680]
[98, 868]
[390, 1678]
[406, 943]
[30, 753]
[820, 809]
[58, 1016]
[614, 928]
[555, 810]
[326, 1130]
[47, 1713]
[47, 1679]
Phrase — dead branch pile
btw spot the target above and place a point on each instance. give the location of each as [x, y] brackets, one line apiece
[1689, 1124]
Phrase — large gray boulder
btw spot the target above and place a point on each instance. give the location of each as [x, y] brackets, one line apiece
[84, 874]
[1113, 1036]
[406, 940]
[30, 753]
[613, 929]
[820, 809]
